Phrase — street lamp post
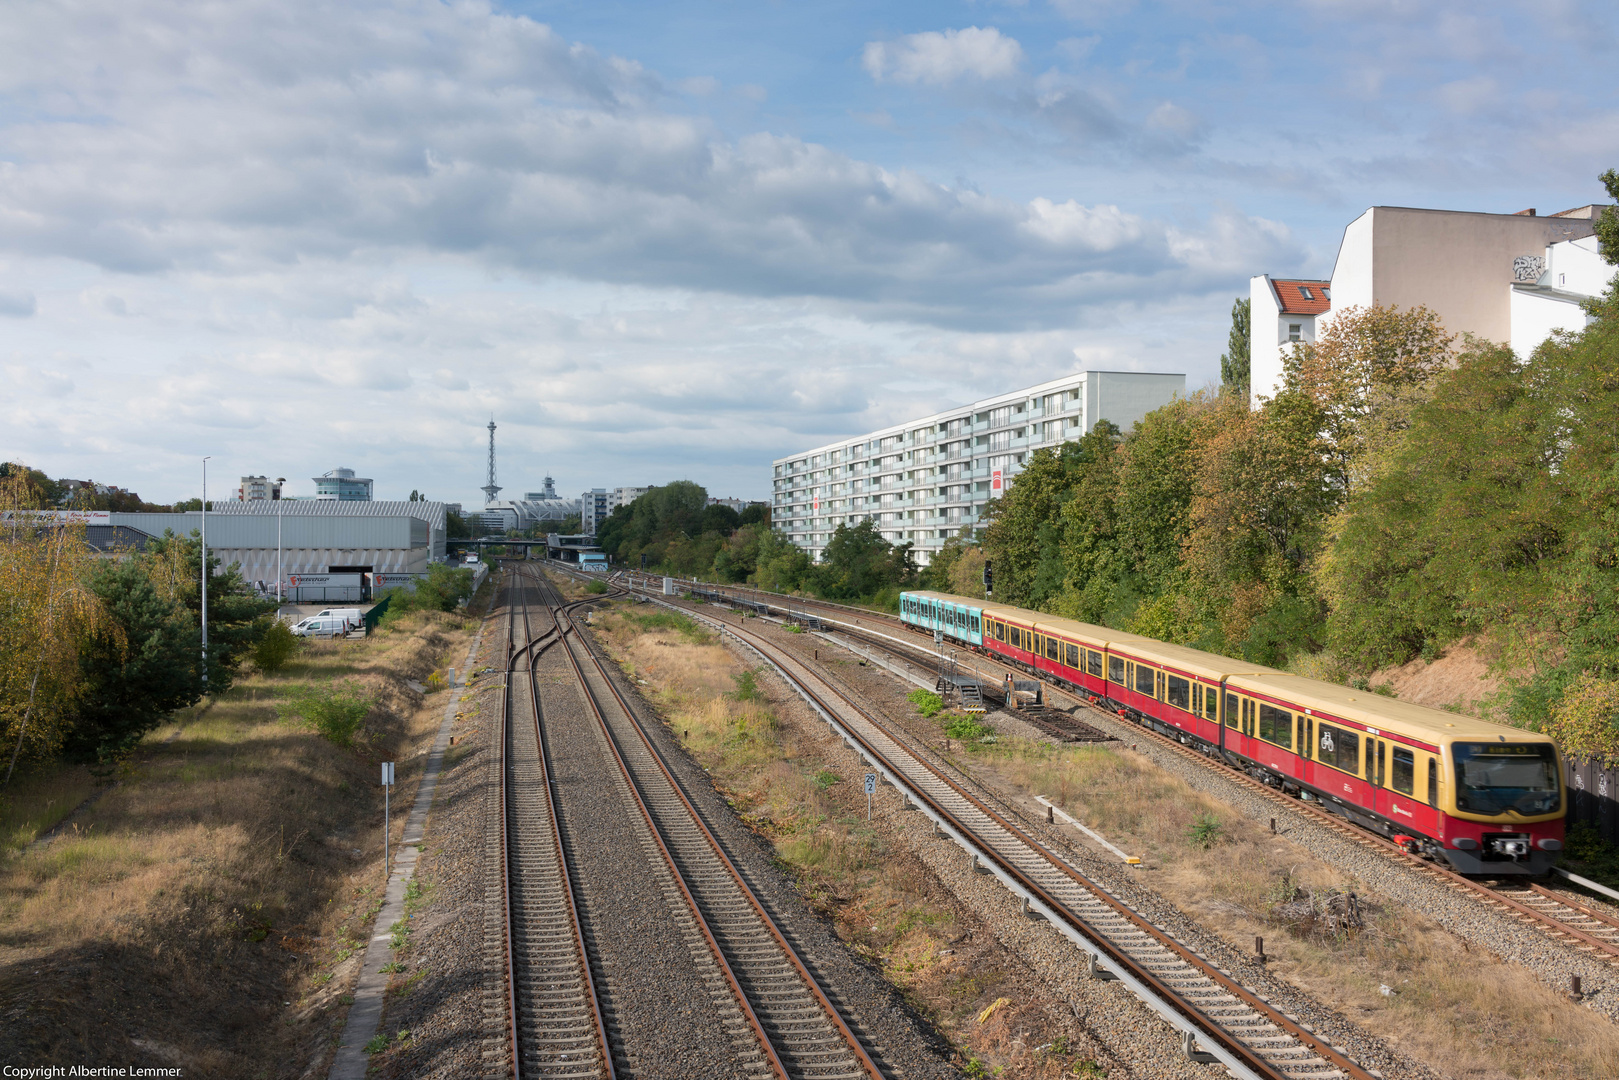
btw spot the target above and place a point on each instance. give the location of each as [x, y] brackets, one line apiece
[278, 500]
[205, 574]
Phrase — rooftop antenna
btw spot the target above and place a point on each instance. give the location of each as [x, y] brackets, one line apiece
[491, 489]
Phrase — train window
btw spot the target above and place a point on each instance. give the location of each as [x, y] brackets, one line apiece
[1276, 725]
[1145, 680]
[1000, 631]
[1178, 692]
[1433, 782]
[975, 624]
[1073, 656]
[1405, 771]
[1211, 703]
[1093, 662]
[1232, 710]
[1339, 748]
[1017, 638]
[1115, 669]
[1053, 648]
[1379, 772]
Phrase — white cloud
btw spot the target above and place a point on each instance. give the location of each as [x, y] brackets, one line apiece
[939, 59]
[17, 305]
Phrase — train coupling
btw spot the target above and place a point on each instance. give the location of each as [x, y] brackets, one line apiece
[1408, 843]
[1515, 847]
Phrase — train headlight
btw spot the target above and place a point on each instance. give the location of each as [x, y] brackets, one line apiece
[1514, 848]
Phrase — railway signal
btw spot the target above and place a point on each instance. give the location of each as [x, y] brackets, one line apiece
[989, 578]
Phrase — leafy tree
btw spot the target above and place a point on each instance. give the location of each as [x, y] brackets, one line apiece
[139, 669]
[1607, 223]
[1234, 363]
[1465, 529]
[1098, 571]
[456, 527]
[276, 647]
[967, 574]
[47, 613]
[1258, 515]
[1366, 373]
[858, 563]
[174, 564]
[721, 519]
[754, 514]
[1156, 480]
[781, 565]
[940, 571]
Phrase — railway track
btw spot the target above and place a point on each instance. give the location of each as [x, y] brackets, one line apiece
[1560, 915]
[556, 1023]
[1242, 1029]
[800, 1033]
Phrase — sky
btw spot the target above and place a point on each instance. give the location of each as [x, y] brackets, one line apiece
[675, 241]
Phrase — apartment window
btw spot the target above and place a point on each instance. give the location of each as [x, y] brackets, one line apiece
[1294, 331]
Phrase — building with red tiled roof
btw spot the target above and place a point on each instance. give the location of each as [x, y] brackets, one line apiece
[1508, 278]
[1281, 311]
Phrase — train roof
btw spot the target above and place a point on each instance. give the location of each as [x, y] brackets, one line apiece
[1346, 703]
[947, 598]
[1384, 713]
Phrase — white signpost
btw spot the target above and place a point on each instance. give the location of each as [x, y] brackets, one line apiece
[387, 786]
[871, 788]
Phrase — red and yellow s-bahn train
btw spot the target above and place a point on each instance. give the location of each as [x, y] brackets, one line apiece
[1485, 798]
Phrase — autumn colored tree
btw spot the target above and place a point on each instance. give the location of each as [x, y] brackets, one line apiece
[47, 613]
[1366, 373]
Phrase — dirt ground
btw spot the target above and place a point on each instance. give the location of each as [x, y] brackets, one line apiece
[207, 911]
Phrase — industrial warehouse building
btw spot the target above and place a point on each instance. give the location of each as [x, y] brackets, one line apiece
[328, 537]
[922, 481]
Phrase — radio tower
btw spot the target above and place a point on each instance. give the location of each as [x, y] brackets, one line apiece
[491, 489]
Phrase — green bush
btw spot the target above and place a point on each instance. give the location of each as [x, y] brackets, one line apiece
[334, 709]
[747, 686]
[926, 701]
[1205, 831]
[276, 648]
[967, 729]
[596, 588]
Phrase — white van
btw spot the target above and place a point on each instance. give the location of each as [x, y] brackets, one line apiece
[471, 560]
[352, 615]
[321, 626]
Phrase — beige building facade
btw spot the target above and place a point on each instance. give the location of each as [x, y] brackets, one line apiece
[1489, 275]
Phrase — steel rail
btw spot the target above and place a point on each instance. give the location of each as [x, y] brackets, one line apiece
[1190, 1010]
[598, 1024]
[1249, 1057]
[862, 1058]
[1489, 895]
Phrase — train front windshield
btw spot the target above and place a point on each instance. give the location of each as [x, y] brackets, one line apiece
[1492, 778]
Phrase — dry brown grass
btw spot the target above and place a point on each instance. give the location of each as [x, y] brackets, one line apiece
[227, 872]
[1463, 1012]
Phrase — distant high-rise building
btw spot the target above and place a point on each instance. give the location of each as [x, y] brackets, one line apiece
[258, 489]
[341, 485]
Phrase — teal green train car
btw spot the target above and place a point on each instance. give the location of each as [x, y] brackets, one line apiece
[936, 611]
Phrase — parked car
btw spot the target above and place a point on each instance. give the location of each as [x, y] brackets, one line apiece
[322, 626]
[472, 560]
[353, 615]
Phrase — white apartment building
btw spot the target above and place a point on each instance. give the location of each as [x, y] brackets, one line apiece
[1507, 278]
[594, 508]
[623, 496]
[258, 489]
[922, 481]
